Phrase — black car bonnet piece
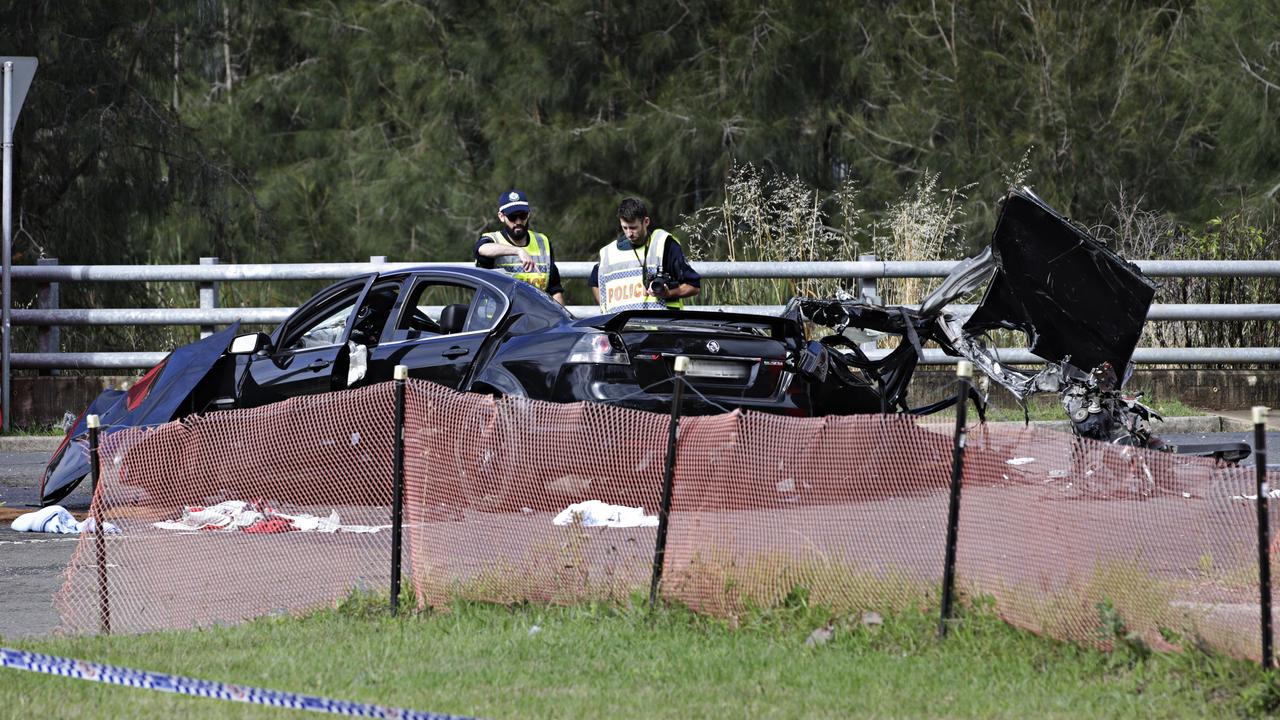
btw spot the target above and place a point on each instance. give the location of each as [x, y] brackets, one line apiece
[1076, 300]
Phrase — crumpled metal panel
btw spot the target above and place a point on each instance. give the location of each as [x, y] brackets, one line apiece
[1076, 300]
[183, 371]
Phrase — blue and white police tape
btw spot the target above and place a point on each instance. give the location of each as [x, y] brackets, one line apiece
[113, 675]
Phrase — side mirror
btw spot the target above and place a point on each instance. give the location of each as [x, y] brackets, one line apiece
[249, 344]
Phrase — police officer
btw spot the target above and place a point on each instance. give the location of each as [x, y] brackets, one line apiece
[643, 269]
[519, 251]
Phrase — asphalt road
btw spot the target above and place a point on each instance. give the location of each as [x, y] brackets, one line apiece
[31, 565]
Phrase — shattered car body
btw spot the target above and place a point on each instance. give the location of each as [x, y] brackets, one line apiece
[1081, 306]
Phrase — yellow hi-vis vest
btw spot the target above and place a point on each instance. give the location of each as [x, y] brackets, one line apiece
[622, 277]
[539, 248]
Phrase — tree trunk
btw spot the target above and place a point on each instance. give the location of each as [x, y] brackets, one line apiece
[226, 46]
[177, 66]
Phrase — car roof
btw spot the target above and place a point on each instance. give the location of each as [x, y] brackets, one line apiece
[493, 277]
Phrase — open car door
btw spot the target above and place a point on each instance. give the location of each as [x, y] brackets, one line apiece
[309, 353]
[440, 328]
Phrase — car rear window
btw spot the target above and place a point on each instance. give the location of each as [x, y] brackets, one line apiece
[691, 325]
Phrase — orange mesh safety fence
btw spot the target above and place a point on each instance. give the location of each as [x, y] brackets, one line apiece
[853, 509]
[485, 479]
[1057, 529]
[273, 482]
[1065, 535]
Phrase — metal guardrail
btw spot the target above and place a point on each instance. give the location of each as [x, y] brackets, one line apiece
[48, 275]
[1147, 356]
[211, 272]
[274, 315]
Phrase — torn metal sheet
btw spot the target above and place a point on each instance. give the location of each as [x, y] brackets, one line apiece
[1076, 300]
[153, 400]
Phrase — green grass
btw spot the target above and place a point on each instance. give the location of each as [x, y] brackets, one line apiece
[610, 660]
[36, 430]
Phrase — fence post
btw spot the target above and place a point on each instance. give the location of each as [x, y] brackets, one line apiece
[668, 480]
[208, 297]
[99, 534]
[964, 372]
[49, 337]
[401, 373]
[1264, 529]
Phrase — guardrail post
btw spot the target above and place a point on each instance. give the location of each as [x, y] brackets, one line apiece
[668, 481]
[208, 297]
[99, 529]
[401, 373]
[964, 373]
[868, 290]
[377, 259]
[48, 337]
[1264, 529]
[867, 285]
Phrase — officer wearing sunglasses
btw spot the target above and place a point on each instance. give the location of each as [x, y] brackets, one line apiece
[518, 250]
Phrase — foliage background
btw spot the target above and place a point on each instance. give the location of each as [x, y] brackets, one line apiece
[310, 130]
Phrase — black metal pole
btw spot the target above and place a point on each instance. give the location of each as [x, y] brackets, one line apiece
[99, 534]
[964, 372]
[397, 489]
[668, 481]
[1264, 530]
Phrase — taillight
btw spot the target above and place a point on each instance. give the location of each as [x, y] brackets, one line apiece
[597, 348]
[142, 388]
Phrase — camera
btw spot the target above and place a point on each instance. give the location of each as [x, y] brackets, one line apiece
[663, 281]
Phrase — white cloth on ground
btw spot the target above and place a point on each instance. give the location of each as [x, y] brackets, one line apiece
[56, 519]
[237, 514]
[331, 524]
[594, 513]
[227, 515]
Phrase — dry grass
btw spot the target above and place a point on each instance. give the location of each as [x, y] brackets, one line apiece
[1138, 233]
[781, 219]
[921, 226]
[773, 219]
[722, 584]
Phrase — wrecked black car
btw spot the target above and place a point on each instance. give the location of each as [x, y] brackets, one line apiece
[1081, 306]
[469, 329]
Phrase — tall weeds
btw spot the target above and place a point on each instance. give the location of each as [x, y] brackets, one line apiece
[781, 219]
[1241, 234]
[921, 226]
[773, 219]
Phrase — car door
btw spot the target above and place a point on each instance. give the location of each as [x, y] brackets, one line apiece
[422, 338]
[309, 351]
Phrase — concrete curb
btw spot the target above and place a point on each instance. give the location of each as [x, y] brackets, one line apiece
[29, 443]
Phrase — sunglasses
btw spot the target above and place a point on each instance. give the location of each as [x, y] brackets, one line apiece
[518, 217]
